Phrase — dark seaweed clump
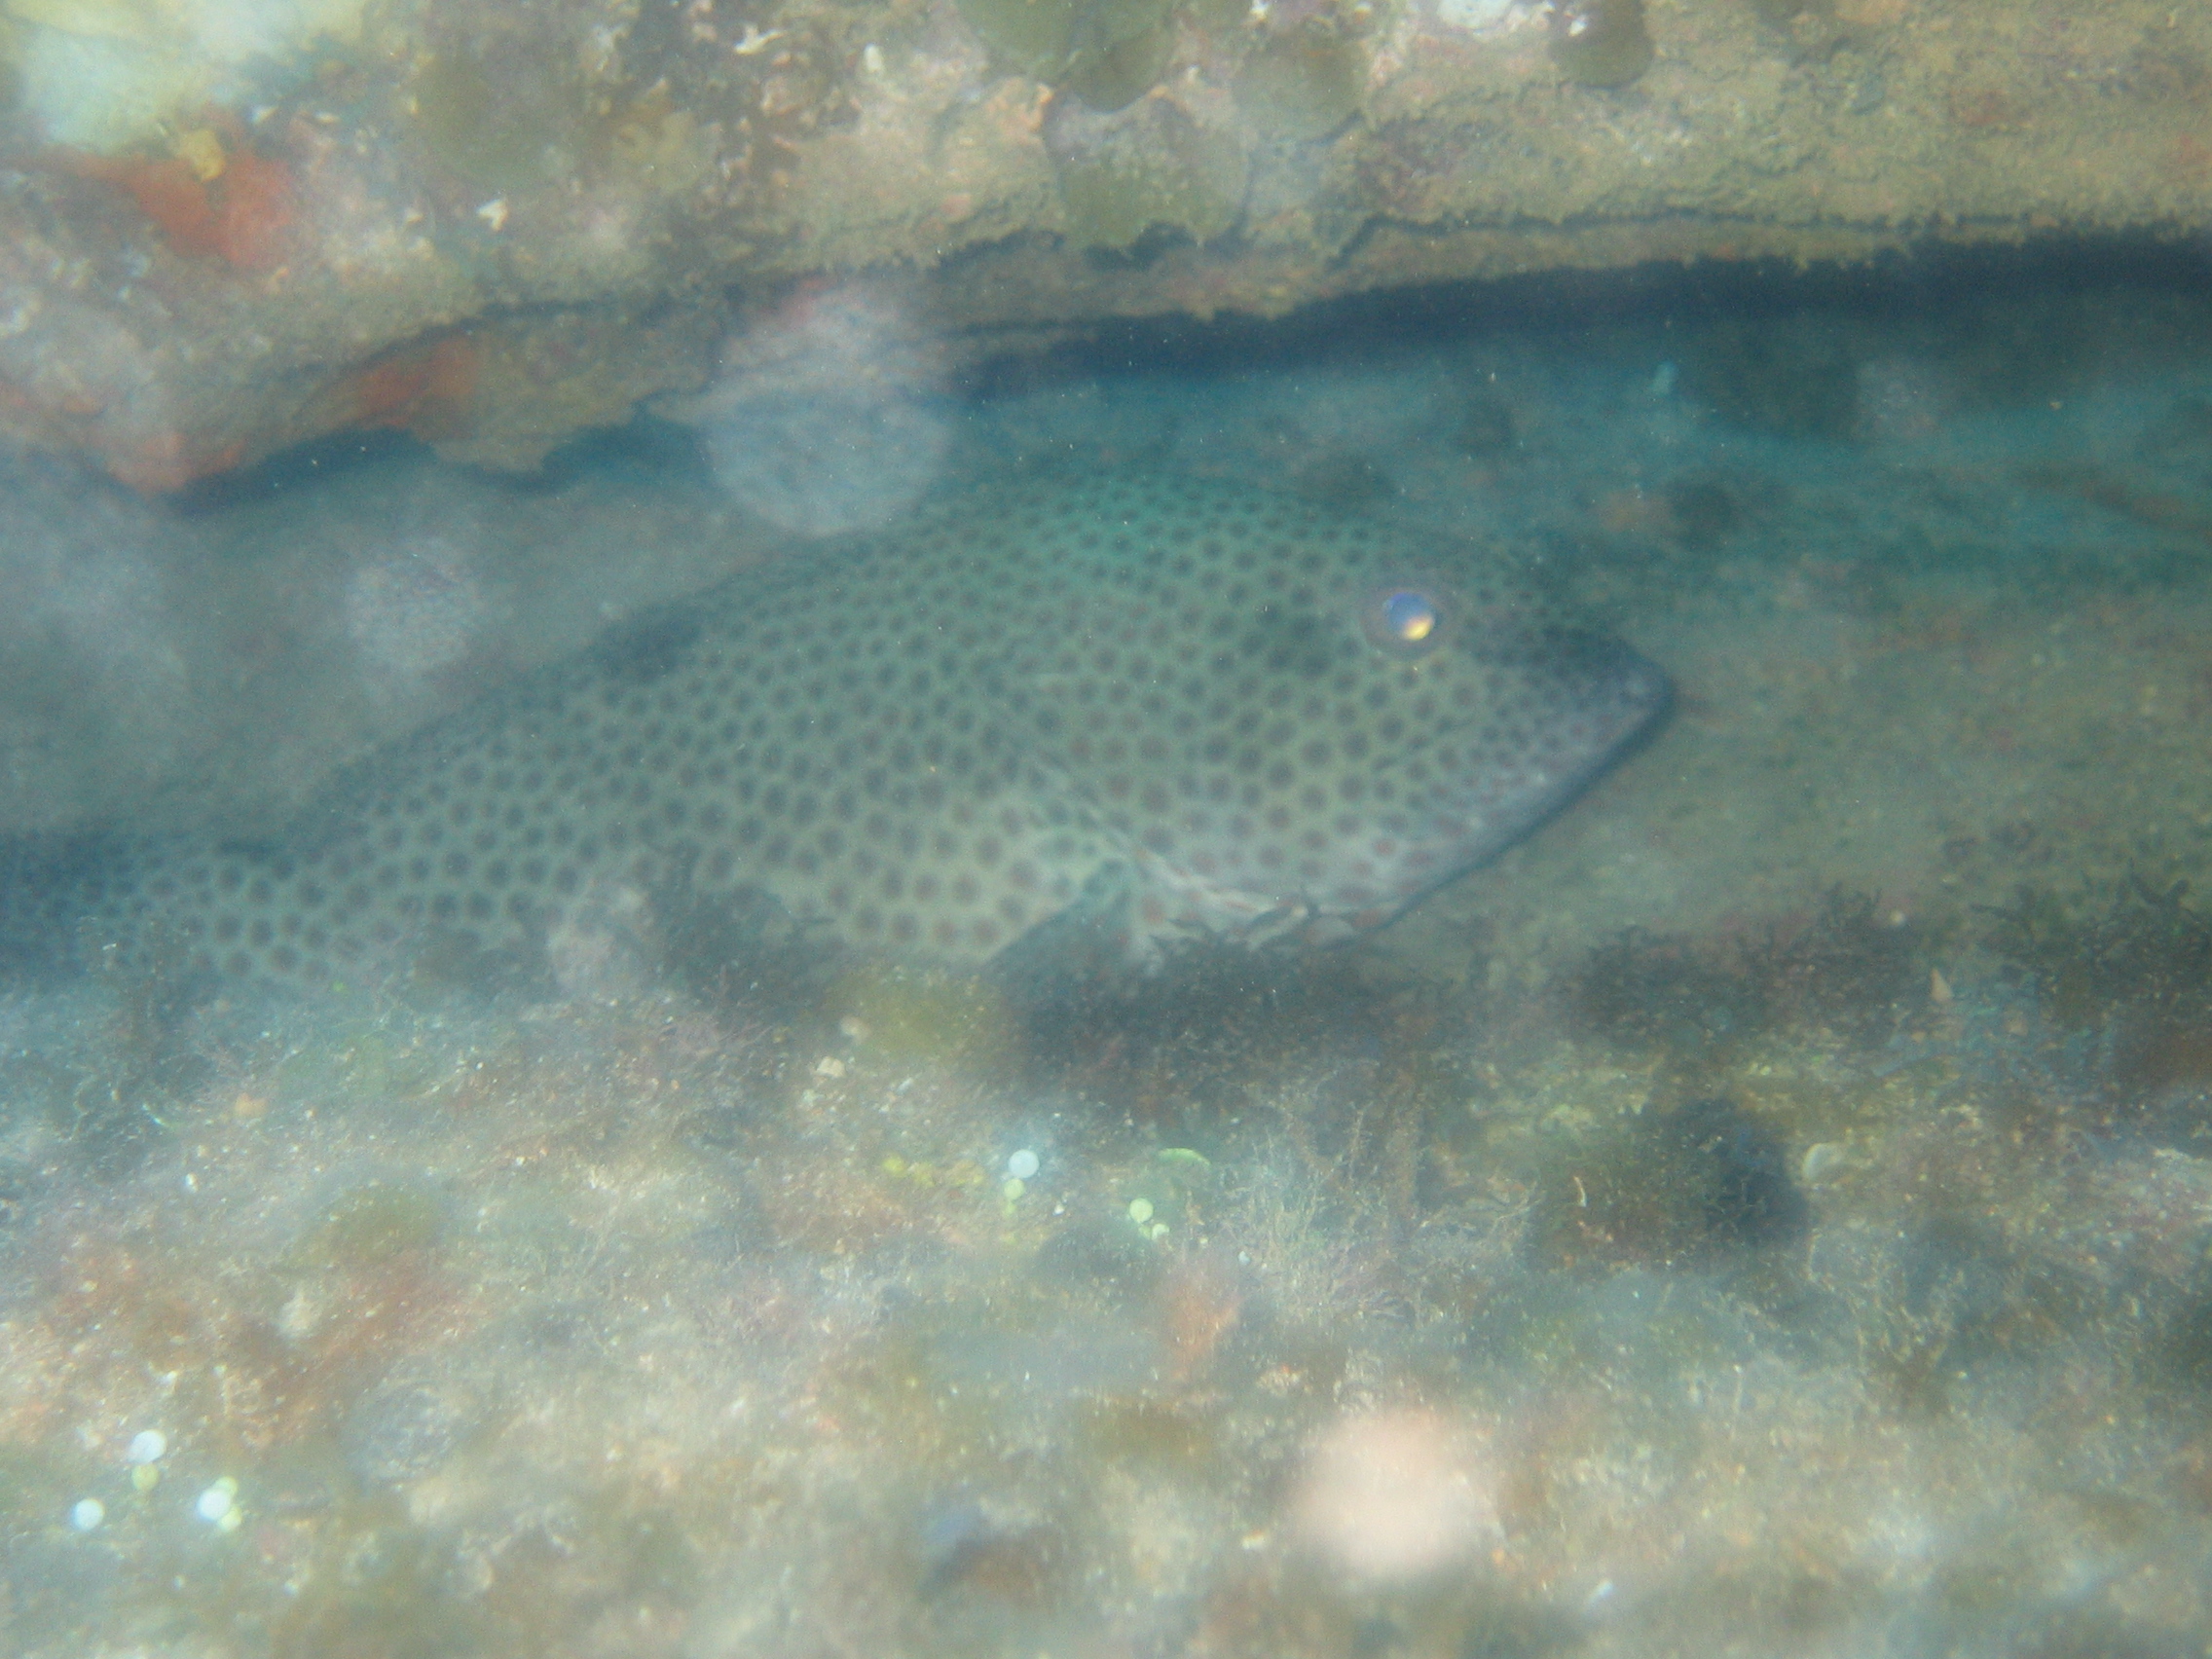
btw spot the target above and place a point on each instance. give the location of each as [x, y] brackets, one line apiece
[1647, 991]
[1848, 970]
[1703, 510]
[1706, 1180]
[1851, 968]
[1192, 1048]
[2135, 976]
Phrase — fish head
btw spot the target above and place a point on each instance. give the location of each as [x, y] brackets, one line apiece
[1309, 746]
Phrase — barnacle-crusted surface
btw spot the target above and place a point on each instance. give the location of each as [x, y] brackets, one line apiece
[232, 227]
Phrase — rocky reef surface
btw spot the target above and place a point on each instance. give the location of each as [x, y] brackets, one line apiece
[228, 225]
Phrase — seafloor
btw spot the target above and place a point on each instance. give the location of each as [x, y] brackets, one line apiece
[1766, 1213]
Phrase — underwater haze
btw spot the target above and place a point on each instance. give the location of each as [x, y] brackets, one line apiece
[1494, 972]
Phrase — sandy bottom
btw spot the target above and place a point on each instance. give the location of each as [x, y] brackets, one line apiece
[1767, 1212]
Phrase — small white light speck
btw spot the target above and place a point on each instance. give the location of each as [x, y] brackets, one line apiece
[149, 1445]
[494, 212]
[1022, 1165]
[86, 1513]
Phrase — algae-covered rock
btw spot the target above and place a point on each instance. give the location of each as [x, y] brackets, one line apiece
[512, 122]
[1119, 175]
[1304, 83]
[1107, 53]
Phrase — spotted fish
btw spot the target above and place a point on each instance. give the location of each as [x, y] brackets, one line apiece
[1176, 708]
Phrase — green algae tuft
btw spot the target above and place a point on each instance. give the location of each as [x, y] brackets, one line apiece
[920, 1016]
[1107, 53]
[1704, 1181]
[1120, 176]
[374, 1224]
[1304, 83]
[1600, 43]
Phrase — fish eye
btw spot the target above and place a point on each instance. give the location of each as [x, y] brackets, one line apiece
[1409, 616]
[1405, 621]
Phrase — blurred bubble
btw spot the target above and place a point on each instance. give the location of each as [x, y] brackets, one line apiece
[96, 694]
[1902, 402]
[414, 611]
[219, 1502]
[78, 561]
[831, 414]
[1392, 1496]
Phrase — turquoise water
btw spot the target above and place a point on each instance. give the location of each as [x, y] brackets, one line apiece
[1765, 1211]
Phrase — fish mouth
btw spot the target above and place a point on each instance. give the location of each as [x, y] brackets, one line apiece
[1612, 702]
[1626, 688]
[1601, 701]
